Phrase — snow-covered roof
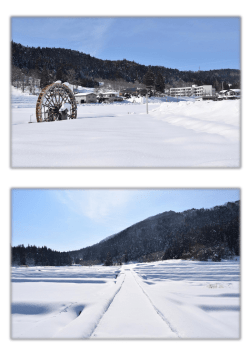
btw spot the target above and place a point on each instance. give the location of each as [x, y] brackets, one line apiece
[223, 91]
[227, 90]
[84, 94]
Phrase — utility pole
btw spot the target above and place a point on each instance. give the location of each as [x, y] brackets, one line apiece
[148, 88]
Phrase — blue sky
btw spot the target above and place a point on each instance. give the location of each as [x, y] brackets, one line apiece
[184, 43]
[70, 219]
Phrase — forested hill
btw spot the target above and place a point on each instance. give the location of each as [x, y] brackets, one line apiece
[201, 234]
[193, 234]
[30, 60]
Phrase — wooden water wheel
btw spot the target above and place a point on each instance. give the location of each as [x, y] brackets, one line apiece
[52, 99]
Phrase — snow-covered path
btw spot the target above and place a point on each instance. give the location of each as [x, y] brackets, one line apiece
[163, 299]
[131, 315]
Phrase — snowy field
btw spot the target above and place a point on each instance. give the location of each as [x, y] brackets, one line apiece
[187, 133]
[170, 299]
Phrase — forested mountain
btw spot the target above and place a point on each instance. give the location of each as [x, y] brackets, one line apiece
[85, 68]
[199, 234]
[193, 233]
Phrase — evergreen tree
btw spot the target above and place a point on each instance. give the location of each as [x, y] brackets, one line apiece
[22, 255]
[45, 77]
[108, 261]
[217, 86]
[59, 74]
[159, 83]
[126, 257]
[167, 254]
[149, 80]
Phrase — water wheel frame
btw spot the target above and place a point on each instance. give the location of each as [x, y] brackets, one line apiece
[51, 99]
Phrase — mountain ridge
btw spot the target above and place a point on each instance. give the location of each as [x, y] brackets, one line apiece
[156, 233]
[31, 59]
[198, 234]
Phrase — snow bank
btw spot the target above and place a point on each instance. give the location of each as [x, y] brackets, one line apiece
[18, 92]
[142, 100]
[212, 117]
[87, 321]
[199, 299]
[21, 99]
[61, 302]
[66, 106]
[81, 89]
[153, 100]
[180, 270]
[121, 134]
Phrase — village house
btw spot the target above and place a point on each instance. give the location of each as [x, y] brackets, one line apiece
[229, 94]
[108, 97]
[82, 98]
[133, 92]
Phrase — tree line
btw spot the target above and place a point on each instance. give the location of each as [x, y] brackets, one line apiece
[50, 64]
[39, 256]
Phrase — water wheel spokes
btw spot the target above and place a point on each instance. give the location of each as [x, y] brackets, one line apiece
[51, 100]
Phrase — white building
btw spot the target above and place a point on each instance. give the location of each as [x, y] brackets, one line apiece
[109, 94]
[205, 90]
[82, 98]
[181, 92]
[108, 97]
[229, 94]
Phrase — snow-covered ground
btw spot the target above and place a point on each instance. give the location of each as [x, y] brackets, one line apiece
[187, 133]
[46, 301]
[166, 299]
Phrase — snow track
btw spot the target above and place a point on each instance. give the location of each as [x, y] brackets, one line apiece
[132, 315]
[155, 308]
[56, 302]
[169, 299]
[92, 315]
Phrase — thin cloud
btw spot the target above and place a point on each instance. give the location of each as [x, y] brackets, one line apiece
[86, 34]
[96, 37]
[96, 205]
